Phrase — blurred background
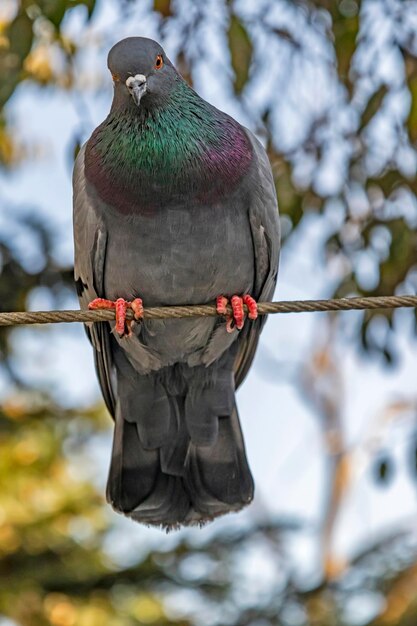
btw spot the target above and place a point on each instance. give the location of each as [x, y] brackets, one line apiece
[329, 409]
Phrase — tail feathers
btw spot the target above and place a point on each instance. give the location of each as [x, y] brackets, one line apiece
[167, 506]
[201, 421]
[133, 470]
[177, 460]
[203, 406]
[173, 453]
[136, 485]
[218, 477]
[144, 402]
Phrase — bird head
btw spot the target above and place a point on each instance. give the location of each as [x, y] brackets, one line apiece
[141, 71]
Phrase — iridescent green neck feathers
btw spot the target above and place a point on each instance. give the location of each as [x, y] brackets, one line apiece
[141, 160]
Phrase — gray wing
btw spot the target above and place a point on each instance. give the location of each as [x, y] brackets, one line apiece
[90, 242]
[264, 223]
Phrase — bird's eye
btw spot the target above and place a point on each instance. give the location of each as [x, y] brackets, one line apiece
[115, 77]
[159, 62]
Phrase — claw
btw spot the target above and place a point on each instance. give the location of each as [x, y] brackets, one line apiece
[123, 326]
[237, 319]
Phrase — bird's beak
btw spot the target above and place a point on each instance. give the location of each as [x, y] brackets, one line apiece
[137, 87]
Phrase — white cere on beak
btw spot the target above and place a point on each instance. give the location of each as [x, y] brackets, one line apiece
[137, 87]
[138, 80]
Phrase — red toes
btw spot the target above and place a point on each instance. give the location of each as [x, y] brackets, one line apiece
[101, 303]
[137, 307]
[237, 319]
[221, 305]
[123, 326]
[238, 313]
[252, 306]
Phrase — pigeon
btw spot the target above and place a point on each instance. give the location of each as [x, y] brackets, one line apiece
[174, 204]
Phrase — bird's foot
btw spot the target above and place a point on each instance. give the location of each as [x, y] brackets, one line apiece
[123, 326]
[237, 319]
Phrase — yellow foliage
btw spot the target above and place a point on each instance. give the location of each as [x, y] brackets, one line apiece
[147, 609]
[8, 150]
[14, 407]
[9, 539]
[60, 610]
[93, 614]
[46, 499]
[38, 64]
[63, 614]
[4, 40]
[163, 7]
[318, 610]
[26, 452]
[68, 45]
[400, 598]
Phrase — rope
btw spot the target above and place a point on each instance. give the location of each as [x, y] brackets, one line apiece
[209, 310]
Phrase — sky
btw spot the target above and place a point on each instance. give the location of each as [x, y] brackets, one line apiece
[281, 428]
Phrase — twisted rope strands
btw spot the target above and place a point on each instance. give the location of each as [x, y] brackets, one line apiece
[209, 310]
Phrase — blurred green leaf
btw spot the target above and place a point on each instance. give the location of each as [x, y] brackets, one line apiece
[91, 5]
[345, 32]
[18, 38]
[241, 50]
[412, 116]
[403, 255]
[373, 106]
[54, 10]
[20, 35]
